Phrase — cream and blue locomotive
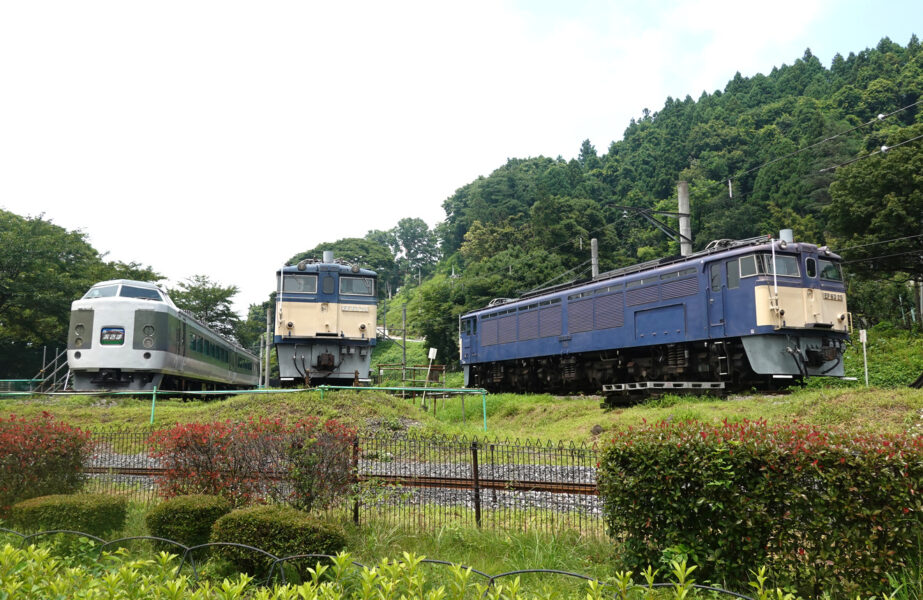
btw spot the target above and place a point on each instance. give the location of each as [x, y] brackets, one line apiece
[326, 313]
[129, 336]
[758, 313]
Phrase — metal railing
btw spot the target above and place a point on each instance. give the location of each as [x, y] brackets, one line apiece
[422, 481]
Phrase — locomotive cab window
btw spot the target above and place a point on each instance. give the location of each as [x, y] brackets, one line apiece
[830, 271]
[715, 276]
[329, 284]
[357, 286]
[810, 266]
[106, 291]
[299, 284]
[733, 273]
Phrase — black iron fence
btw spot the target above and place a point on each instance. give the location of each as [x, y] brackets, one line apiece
[421, 481]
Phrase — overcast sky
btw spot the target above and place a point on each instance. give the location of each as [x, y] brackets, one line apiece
[223, 137]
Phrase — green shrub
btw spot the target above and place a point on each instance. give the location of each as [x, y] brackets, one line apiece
[279, 530]
[186, 519]
[824, 511]
[96, 514]
[39, 456]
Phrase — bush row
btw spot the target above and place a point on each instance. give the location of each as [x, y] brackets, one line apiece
[825, 511]
[192, 521]
[305, 464]
[33, 573]
[39, 456]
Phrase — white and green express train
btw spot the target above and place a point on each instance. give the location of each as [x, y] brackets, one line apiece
[129, 336]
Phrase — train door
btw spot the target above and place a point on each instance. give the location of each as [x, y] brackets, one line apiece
[715, 301]
[330, 308]
[469, 347]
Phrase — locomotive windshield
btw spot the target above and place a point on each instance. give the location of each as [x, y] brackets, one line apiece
[761, 264]
[357, 286]
[300, 284]
[104, 291]
[130, 291]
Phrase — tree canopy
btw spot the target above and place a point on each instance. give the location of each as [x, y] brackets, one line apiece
[43, 268]
[209, 302]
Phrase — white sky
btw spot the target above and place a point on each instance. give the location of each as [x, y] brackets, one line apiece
[222, 137]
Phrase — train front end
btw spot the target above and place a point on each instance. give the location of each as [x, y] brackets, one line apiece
[326, 313]
[116, 337]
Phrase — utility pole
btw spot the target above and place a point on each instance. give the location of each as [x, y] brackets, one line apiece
[594, 257]
[685, 222]
[268, 345]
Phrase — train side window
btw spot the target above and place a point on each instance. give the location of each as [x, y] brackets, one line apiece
[733, 269]
[474, 326]
[748, 266]
[715, 270]
[830, 271]
[810, 266]
[328, 284]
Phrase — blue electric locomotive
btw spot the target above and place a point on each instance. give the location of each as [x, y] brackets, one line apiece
[752, 313]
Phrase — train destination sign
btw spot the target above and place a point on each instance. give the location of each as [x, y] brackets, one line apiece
[112, 336]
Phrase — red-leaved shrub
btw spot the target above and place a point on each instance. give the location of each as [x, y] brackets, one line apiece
[302, 463]
[40, 456]
[826, 511]
[320, 463]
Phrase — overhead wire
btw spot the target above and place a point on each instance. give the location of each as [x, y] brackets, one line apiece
[881, 150]
[879, 118]
[900, 239]
[884, 256]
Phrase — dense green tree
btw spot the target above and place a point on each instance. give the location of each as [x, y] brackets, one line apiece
[876, 211]
[209, 302]
[43, 268]
[418, 247]
[371, 252]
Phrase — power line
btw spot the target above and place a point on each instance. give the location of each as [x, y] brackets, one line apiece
[877, 119]
[858, 260]
[900, 239]
[881, 150]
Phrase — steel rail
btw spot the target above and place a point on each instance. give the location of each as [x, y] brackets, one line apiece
[458, 483]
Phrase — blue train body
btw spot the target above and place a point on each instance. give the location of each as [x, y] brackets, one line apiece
[740, 314]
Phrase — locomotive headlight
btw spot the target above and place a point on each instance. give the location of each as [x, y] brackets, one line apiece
[289, 324]
[148, 330]
[78, 342]
[841, 317]
[79, 329]
[362, 327]
[148, 342]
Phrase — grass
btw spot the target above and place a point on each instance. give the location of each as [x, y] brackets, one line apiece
[545, 417]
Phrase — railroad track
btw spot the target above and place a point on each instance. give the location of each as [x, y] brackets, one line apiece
[455, 483]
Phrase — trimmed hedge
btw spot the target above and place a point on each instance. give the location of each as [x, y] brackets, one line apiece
[40, 456]
[825, 511]
[306, 463]
[186, 519]
[279, 530]
[96, 514]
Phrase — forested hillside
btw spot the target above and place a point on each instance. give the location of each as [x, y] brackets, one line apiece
[832, 153]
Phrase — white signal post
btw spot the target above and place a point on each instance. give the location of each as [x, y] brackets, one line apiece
[863, 337]
[432, 357]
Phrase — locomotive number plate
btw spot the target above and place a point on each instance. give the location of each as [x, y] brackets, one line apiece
[112, 336]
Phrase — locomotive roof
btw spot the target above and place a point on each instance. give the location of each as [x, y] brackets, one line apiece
[141, 284]
[718, 247]
[311, 266]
